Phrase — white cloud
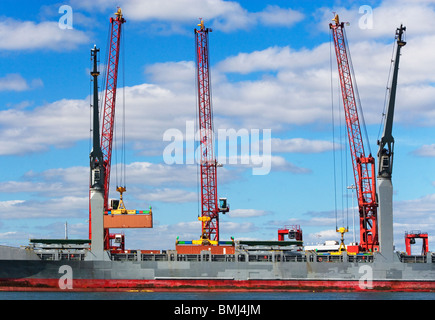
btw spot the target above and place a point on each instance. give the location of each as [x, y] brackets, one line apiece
[6, 205]
[169, 195]
[301, 145]
[74, 181]
[161, 174]
[386, 18]
[275, 16]
[230, 228]
[173, 74]
[28, 35]
[15, 82]
[421, 208]
[297, 83]
[221, 15]
[180, 10]
[426, 151]
[414, 214]
[8, 235]
[264, 164]
[280, 164]
[35, 130]
[272, 58]
[65, 207]
[51, 183]
[297, 91]
[247, 213]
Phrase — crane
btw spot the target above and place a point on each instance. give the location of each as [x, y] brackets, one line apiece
[101, 154]
[363, 166]
[103, 215]
[385, 160]
[210, 207]
[108, 119]
[110, 98]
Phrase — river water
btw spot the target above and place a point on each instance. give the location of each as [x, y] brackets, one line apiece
[221, 296]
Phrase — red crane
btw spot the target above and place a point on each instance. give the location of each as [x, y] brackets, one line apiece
[110, 99]
[363, 166]
[209, 202]
[109, 110]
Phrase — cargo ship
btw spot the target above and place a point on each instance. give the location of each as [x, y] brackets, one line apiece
[241, 266]
[102, 263]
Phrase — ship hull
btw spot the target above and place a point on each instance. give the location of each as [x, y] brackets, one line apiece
[34, 275]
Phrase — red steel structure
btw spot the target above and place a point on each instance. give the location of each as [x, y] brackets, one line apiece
[410, 239]
[108, 119]
[293, 232]
[363, 167]
[209, 200]
[110, 99]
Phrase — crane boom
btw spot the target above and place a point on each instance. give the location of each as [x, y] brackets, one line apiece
[110, 99]
[210, 207]
[386, 144]
[363, 166]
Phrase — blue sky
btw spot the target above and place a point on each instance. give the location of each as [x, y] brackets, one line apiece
[270, 70]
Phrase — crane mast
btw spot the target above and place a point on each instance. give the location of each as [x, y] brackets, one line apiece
[96, 183]
[96, 156]
[363, 166]
[209, 201]
[385, 162]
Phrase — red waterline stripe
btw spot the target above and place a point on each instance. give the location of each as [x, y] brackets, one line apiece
[29, 284]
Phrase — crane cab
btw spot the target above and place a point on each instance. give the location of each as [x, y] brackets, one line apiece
[118, 238]
[96, 177]
[385, 164]
[114, 204]
[223, 205]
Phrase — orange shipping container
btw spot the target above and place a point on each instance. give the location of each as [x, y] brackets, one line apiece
[128, 221]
